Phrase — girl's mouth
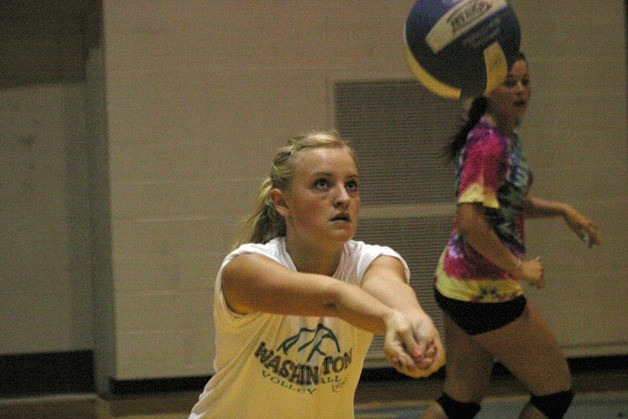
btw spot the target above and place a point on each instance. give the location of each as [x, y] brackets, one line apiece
[341, 217]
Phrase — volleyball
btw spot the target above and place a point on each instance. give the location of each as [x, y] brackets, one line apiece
[460, 49]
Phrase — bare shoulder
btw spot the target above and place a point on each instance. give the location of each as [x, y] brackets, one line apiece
[386, 262]
[385, 266]
[252, 267]
[245, 276]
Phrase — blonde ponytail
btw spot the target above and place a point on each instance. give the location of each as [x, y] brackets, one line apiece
[265, 223]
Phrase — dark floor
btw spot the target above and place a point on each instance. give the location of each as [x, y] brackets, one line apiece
[377, 391]
[502, 385]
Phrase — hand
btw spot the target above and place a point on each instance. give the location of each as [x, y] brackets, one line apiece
[531, 271]
[400, 344]
[429, 355]
[586, 229]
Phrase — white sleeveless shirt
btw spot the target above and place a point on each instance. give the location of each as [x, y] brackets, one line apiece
[281, 366]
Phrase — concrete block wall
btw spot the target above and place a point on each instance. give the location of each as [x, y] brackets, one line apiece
[575, 134]
[184, 105]
[199, 94]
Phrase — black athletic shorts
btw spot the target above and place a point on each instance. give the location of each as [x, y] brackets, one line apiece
[476, 318]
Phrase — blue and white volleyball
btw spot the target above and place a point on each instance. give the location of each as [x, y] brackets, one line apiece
[461, 48]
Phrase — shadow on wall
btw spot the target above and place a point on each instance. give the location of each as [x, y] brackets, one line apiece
[44, 42]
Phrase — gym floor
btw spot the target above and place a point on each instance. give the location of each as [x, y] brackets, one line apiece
[599, 394]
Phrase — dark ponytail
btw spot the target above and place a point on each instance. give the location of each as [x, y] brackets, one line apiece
[478, 107]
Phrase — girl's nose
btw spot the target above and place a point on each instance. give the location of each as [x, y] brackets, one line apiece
[342, 196]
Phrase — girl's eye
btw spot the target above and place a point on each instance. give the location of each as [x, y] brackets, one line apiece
[513, 83]
[321, 184]
[352, 185]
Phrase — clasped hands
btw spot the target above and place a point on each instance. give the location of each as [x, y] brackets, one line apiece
[413, 347]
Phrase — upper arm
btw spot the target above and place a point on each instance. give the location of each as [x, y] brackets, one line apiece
[482, 172]
[386, 281]
[469, 215]
[385, 278]
[386, 267]
[256, 283]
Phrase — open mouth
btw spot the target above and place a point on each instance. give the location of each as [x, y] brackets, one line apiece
[520, 103]
[341, 217]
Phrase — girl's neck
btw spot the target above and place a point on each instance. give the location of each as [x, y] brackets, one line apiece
[505, 125]
[314, 259]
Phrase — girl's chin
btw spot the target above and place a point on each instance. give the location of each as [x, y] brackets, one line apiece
[344, 236]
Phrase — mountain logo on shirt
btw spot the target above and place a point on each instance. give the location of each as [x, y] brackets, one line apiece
[287, 367]
[310, 340]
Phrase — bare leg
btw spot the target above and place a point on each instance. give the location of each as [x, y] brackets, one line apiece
[468, 368]
[530, 351]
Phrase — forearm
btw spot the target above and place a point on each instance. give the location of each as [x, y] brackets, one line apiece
[480, 236]
[586, 229]
[399, 296]
[386, 281]
[359, 308]
[254, 283]
[540, 208]
[401, 340]
[484, 241]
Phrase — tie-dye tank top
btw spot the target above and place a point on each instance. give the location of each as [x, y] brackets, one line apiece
[493, 171]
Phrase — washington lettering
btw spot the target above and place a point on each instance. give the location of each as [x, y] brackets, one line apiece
[302, 374]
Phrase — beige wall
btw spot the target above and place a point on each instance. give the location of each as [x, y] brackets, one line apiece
[576, 137]
[199, 93]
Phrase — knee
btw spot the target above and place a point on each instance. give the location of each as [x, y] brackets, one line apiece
[455, 409]
[553, 405]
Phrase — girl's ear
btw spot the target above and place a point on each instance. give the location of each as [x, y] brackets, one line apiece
[278, 198]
